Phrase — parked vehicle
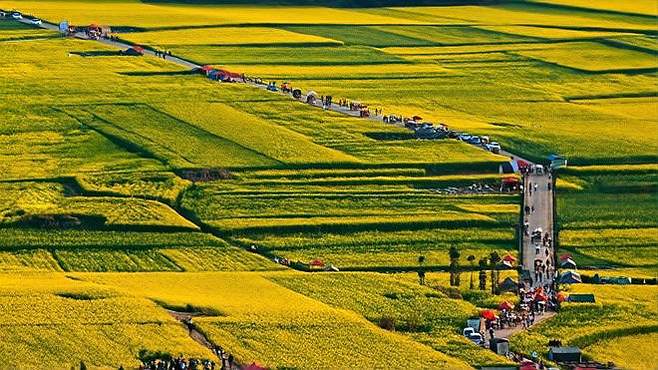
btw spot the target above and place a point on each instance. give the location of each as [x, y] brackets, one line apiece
[493, 147]
[476, 338]
[36, 21]
[475, 140]
[17, 15]
[467, 332]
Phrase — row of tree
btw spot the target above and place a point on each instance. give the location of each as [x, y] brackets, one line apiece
[485, 263]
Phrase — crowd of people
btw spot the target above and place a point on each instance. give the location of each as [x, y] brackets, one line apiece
[162, 53]
[179, 363]
[227, 362]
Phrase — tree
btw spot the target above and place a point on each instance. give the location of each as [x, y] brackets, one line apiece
[421, 270]
[83, 366]
[471, 260]
[454, 265]
[483, 274]
[494, 258]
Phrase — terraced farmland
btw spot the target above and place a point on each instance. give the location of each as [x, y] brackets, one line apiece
[130, 185]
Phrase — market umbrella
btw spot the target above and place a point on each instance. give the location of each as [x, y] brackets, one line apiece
[488, 314]
[505, 305]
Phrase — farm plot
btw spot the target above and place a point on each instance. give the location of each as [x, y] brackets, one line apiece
[93, 250]
[646, 7]
[139, 14]
[172, 140]
[611, 221]
[52, 321]
[226, 36]
[44, 204]
[285, 55]
[311, 329]
[370, 226]
[594, 57]
[14, 31]
[413, 310]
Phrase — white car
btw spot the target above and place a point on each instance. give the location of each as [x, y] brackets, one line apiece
[36, 21]
[468, 332]
[493, 147]
[17, 15]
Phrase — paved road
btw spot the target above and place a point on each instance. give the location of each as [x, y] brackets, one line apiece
[539, 200]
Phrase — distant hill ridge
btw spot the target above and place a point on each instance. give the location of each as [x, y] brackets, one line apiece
[334, 3]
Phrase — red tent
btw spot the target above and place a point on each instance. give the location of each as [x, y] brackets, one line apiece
[488, 315]
[254, 366]
[541, 297]
[509, 258]
[317, 263]
[505, 305]
[522, 163]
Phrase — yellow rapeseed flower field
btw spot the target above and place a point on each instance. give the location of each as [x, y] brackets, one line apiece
[225, 36]
[638, 6]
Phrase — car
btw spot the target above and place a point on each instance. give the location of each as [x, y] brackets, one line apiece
[493, 147]
[475, 140]
[464, 137]
[468, 331]
[36, 21]
[476, 338]
[2, 14]
[17, 15]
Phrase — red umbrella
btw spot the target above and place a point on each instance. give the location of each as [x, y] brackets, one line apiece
[509, 258]
[488, 314]
[317, 263]
[522, 163]
[541, 297]
[505, 305]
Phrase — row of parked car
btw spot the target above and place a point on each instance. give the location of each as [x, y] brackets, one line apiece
[429, 131]
[19, 16]
[482, 141]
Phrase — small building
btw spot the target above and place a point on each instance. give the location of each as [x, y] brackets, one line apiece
[557, 161]
[570, 277]
[568, 264]
[499, 345]
[564, 354]
[582, 298]
[508, 285]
